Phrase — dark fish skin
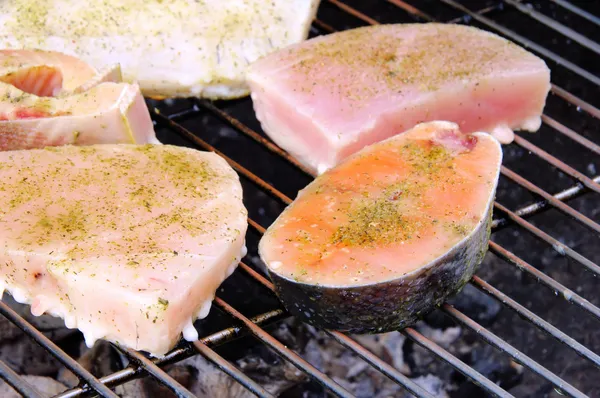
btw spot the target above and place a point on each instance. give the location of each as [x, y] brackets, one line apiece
[389, 305]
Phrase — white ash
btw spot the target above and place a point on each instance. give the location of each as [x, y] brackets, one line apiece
[47, 387]
[227, 132]
[349, 370]
[279, 377]
[433, 384]
[444, 338]
[387, 346]
[20, 351]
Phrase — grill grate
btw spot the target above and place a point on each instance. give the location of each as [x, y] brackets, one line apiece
[177, 123]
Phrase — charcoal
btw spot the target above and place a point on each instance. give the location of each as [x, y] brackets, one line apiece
[276, 376]
[53, 327]
[101, 360]
[472, 302]
[205, 380]
[497, 367]
[47, 387]
[23, 355]
[8, 330]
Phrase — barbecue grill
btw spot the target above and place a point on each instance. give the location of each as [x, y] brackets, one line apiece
[544, 251]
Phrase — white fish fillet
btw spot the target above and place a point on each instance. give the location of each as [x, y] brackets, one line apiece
[326, 98]
[174, 48]
[127, 243]
[51, 99]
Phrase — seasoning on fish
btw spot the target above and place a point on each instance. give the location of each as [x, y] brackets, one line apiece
[389, 233]
[175, 48]
[330, 96]
[51, 99]
[127, 243]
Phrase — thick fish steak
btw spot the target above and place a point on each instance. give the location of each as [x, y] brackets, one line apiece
[389, 233]
[127, 243]
[52, 99]
[330, 96]
[175, 48]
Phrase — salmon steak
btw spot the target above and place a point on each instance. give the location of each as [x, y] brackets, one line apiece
[175, 48]
[389, 233]
[51, 99]
[330, 96]
[127, 243]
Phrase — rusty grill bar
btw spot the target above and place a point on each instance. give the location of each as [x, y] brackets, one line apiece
[141, 366]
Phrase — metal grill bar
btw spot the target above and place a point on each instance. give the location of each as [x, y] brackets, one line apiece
[232, 371]
[567, 294]
[53, 349]
[576, 10]
[537, 207]
[527, 315]
[151, 366]
[157, 373]
[517, 355]
[551, 199]
[235, 165]
[582, 178]
[551, 23]
[485, 334]
[567, 194]
[178, 354]
[506, 32]
[415, 12]
[283, 351]
[17, 382]
[538, 151]
[571, 134]
[465, 369]
[353, 12]
[352, 345]
[558, 288]
[260, 229]
[556, 245]
[532, 209]
[488, 336]
[239, 126]
[526, 42]
[578, 102]
[482, 11]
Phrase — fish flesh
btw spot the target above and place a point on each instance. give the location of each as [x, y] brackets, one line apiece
[50, 99]
[125, 242]
[330, 96]
[389, 233]
[179, 48]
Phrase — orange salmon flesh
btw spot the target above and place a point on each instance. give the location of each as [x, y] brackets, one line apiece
[388, 210]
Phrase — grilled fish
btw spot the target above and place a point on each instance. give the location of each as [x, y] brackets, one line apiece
[50, 99]
[388, 233]
[177, 48]
[330, 96]
[125, 242]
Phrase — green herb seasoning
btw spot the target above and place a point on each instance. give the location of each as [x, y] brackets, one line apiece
[374, 221]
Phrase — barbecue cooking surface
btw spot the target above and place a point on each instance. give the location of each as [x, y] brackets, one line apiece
[544, 253]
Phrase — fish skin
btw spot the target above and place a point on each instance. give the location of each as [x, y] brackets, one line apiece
[330, 96]
[180, 48]
[86, 236]
[382, 276]
[52, 99]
